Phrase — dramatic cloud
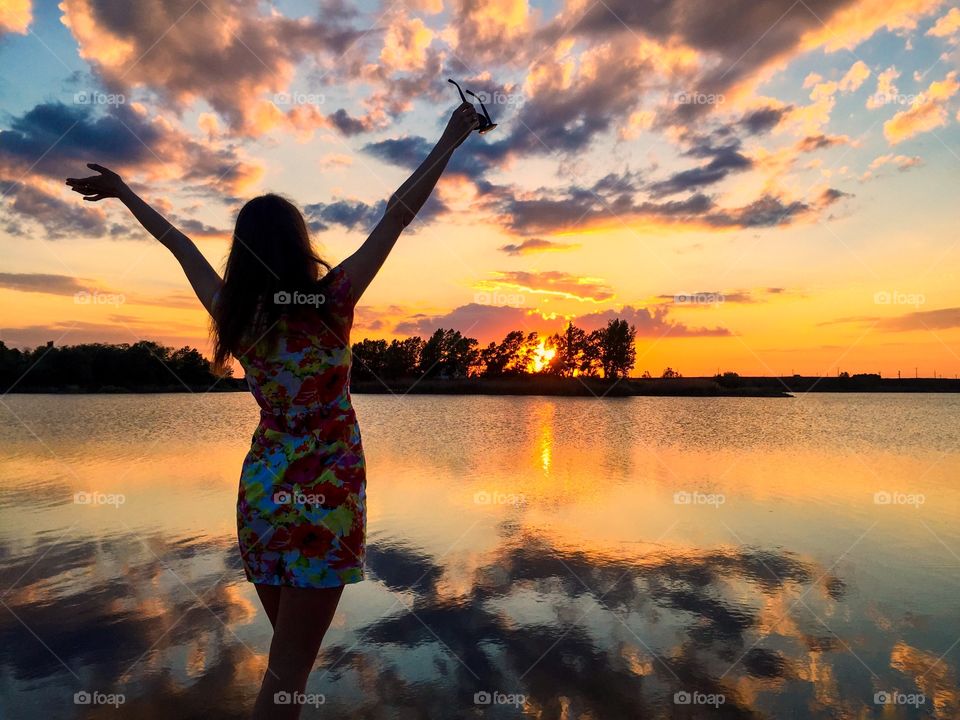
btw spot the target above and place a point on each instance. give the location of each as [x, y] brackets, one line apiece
[58, 217]
[54, 139]
[358, 215]
[581, 209]
[226, 52]
[725, 160]
[490, 323]
[746, 38]
[927, 112]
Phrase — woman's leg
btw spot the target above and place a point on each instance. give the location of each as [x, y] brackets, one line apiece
[270, 599]
[303, 616]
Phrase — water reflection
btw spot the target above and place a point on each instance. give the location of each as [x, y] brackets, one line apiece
[591, 593]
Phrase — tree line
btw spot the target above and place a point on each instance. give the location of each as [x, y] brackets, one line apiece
[98, 366]
[607, 352]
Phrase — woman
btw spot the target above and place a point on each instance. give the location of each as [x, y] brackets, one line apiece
[301, 516]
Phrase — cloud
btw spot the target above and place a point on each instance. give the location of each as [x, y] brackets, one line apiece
[886, 91]
[226, 52]
[712, 298]
[927, 112]
[43, 283]
[490, 323]
[578, 209]
[725, 160]
[350, 215]
[818, 142]
[58, 218]
[942, 319]
[649, 322]
[855, 77]
[485, 322]
[358, 215]
[53, 140]
[405, 45]
[946, 25]
[536, 245]
[745, 42]
[551, 282]
[765, 119]
[15, 16]
[903, 163]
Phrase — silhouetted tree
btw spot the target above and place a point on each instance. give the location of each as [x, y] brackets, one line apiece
[96, 366]
[447, 353]
[501, 359]
[570, 345]
[369, 359]
[618, 351]
[402, 357]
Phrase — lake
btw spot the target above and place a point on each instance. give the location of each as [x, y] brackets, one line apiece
[527, 557]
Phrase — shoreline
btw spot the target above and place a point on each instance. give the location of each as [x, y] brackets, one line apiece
[783, 387]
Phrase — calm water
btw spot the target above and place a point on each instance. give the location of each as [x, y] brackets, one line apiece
[573, 558]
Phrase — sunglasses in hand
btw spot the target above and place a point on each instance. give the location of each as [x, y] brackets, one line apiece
[486, 124]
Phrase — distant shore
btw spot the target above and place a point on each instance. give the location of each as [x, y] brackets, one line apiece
[725, 386]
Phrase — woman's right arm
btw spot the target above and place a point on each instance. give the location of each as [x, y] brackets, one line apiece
[203, 278]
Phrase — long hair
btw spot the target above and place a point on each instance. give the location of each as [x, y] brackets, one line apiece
[271, 253]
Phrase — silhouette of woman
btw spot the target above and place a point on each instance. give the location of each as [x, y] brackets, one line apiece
[286, 316]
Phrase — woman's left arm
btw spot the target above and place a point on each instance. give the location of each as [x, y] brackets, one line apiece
[204, 279]
[405, 203]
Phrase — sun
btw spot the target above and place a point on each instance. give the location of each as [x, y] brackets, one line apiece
[541, 357]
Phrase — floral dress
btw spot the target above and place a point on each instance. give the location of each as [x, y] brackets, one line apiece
[301, 508]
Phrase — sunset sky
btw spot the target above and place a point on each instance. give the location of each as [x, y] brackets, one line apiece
[766, 187]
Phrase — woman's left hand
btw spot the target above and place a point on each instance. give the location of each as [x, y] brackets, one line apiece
[462, 122]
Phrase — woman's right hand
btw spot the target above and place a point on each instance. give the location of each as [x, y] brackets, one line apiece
[462, 122]
[97, 187]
